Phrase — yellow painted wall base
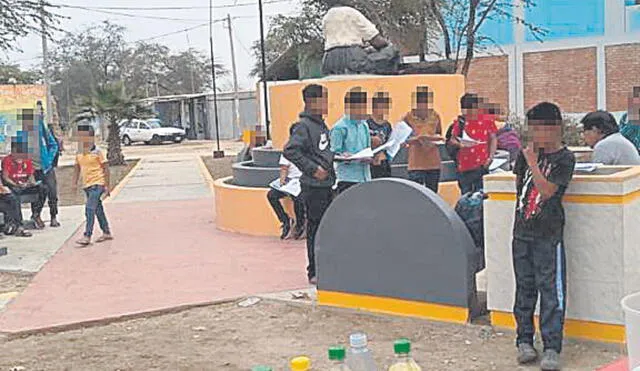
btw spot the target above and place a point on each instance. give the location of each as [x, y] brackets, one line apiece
[246, 210]
[399, 307]
[572, 328]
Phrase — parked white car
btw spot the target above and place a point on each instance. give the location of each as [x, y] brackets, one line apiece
[149, 132]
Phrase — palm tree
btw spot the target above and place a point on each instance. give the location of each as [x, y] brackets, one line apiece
[111, 102]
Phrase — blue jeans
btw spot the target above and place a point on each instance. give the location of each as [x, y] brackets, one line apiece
[94, 209]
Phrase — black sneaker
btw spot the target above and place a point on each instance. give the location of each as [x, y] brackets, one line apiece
[300, 231]
[286, 229]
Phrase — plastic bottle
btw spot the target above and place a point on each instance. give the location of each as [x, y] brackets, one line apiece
[336, 356]
[404, 362]
[360, 358]
[300, 364]
[261, 368]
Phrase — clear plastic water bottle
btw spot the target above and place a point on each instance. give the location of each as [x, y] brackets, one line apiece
[261, 368]
[404, 361]
[360, 358]
[300, 364]
[337, 356]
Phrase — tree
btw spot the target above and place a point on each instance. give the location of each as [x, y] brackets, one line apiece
[18, 18]
[111, 102]
[99, 55]
[460, 23]
[13, 74]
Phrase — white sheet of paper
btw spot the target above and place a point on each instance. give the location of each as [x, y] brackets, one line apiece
[292, 187]
[366, 153]
[587, 167]
[497, 164]
[400, 133]
[384, 147]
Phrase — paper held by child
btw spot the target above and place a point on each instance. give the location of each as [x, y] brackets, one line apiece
[399, 135]
[365, 154]
[467, 141]
[291, 187]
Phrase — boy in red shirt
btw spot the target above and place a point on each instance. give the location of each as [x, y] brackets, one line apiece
[473, 136]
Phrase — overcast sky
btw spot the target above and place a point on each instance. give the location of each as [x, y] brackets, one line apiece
[244, 18]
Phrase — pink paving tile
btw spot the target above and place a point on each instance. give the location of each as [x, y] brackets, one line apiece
[166, 255]
[621, 365]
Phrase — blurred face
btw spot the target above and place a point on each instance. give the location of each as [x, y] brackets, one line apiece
[422, 102]
[320, 106]
[381, 109]
[356, 111]
[592, 136]
[544, 136]
[470, 113]
[85, 139]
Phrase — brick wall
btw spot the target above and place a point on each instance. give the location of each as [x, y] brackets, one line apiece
[489, 78]
[623, 73]
[565, 77]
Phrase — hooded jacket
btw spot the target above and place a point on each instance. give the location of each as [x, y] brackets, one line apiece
[308, 148]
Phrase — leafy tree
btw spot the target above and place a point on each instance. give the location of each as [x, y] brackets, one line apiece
[111, 102]
[13, 74]
[18, 18]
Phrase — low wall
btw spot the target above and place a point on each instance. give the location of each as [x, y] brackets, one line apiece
[246, 209]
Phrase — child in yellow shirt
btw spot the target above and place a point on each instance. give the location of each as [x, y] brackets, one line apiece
[91, 164]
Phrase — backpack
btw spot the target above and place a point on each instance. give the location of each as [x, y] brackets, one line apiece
[470, 209]
[452, 151]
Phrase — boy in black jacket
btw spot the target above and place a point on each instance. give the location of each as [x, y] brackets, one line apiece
[309, 149]
[543, 172]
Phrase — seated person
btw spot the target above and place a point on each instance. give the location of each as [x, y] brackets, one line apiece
[346, 33]
[630, 122]
[349, 136]
[10, 206]
[18, 172]
[601, 133]
[289, 172]
[380, 130]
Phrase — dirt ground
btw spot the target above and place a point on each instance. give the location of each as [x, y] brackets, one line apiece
[229, 337]
[219, 168]
[14, 281]
[65, 179]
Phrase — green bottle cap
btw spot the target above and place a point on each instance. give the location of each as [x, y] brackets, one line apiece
[402, 346]
[337, 353]
[262, 368]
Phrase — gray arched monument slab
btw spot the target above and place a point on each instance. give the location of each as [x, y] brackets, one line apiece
[396, 239]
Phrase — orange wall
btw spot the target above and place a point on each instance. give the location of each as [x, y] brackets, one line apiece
[286, 98]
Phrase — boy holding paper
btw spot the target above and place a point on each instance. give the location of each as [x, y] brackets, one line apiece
[349, 136]
[474, 139]
[424, 155]
[380, 130]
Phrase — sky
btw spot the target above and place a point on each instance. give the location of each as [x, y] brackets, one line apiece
[245, 21]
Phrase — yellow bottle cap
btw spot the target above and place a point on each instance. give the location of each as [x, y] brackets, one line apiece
[300, 364]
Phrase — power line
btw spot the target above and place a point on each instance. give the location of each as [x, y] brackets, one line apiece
[132, 15]
[167, 7]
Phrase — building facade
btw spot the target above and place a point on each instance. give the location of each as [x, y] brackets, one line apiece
[588, 57]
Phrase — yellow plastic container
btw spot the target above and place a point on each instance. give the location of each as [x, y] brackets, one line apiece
[300, 364]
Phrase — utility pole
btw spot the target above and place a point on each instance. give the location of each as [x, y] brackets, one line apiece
[157, 87]
[218, 153]
[264, 72]
[193, 84]
[45, 61]
[236, 96]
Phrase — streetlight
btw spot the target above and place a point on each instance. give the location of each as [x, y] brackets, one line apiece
[218, 153]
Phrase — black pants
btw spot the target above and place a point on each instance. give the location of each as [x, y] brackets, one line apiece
[428, 178]
[10, 206]
[471, 181]
[274, 197]
[343, 186]
[540, 267]
[49, 193]
[381, 171]
[317, 200]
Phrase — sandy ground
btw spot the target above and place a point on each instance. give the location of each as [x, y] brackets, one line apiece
[64, 175]
[14, 281]
[219, 168]
[229, 337]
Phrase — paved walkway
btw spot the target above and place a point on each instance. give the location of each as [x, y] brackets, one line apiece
[167, 253]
